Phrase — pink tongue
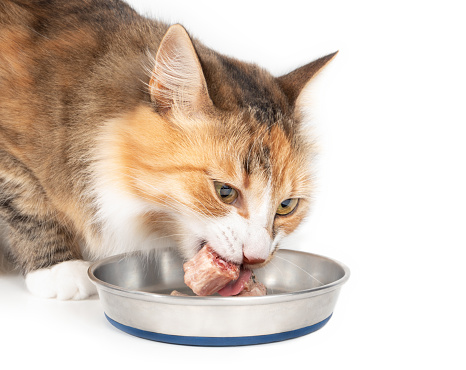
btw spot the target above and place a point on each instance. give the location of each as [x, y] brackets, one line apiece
[235, 287]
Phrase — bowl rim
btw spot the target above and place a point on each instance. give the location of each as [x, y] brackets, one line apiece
[216, 300]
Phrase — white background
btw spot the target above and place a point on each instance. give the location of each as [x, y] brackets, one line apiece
[389, 117]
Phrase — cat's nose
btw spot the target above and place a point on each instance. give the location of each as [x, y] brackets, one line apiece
[252, 260]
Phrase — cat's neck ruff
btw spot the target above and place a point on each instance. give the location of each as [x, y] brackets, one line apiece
[118, 213]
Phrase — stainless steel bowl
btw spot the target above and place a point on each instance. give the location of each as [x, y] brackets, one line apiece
[302, 290]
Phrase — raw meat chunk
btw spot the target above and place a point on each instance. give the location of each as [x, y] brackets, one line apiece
[178, 294]
[253, 288]
[206, 273]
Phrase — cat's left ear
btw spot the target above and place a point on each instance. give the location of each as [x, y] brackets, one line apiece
[177, 81]
[294, 83]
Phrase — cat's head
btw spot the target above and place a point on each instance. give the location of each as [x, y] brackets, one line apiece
[219, 155]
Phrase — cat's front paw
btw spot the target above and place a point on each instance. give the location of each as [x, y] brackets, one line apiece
[66, 280]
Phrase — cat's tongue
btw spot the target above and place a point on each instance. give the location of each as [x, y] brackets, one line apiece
[235, 287]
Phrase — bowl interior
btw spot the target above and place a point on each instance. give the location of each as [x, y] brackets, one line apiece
[161, 272]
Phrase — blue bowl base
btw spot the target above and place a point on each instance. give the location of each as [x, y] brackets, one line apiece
[218, 341]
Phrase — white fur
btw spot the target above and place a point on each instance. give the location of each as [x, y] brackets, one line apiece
[64, 281]
[117, 216]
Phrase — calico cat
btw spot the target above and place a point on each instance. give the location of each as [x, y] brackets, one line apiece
[120, 133]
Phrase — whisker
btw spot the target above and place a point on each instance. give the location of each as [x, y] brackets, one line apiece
[168, 205]
[161, 200]
[280, 271]
[306, 272]
[185, 209]
[169, 236]
[198, 211]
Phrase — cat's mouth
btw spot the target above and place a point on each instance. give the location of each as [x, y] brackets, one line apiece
[247, 265]
[234, 287]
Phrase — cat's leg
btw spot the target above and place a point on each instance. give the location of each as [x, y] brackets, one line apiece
[49, 258]
[40, 244]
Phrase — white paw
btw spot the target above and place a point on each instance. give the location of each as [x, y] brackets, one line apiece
[66, 280]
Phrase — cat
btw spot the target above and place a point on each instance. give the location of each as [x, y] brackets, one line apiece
[122, 133]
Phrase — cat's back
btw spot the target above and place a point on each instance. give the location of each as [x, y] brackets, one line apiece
[39, 40]
[50, 28]
[51, 16]
[57, 56]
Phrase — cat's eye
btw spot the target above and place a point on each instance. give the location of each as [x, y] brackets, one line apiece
[287, 206]
[225, 192]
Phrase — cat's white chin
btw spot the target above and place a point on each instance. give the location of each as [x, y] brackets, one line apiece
[65, 281]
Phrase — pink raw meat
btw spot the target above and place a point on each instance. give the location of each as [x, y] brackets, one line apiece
[253, 288]
[206, 273]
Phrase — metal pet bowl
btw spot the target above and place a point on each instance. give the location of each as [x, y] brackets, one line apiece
[302, 290]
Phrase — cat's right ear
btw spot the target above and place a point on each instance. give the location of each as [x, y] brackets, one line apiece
[177, 81]
[295, 82]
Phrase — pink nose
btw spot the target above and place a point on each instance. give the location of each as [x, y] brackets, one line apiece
[252, 261]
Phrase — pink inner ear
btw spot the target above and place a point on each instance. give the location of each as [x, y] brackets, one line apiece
[161, 99]
[177, 79]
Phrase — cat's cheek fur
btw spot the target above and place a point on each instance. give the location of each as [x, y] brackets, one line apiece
[64, 281]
